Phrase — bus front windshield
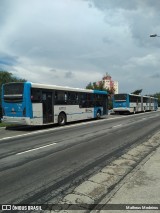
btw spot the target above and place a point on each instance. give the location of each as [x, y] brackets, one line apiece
[120, 97]
[13, 92]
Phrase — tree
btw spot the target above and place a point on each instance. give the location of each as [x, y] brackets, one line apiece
[137, 92]
[89, 86]
[6, 77]
[96, 86]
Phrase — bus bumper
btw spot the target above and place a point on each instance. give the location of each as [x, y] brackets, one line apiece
[16, 120]
[121, 109]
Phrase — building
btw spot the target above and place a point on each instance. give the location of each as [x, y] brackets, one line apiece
[109, 83]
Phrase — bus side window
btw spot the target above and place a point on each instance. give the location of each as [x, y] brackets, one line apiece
[96, 100]
[72, 98]
[55, 96]
[44, 97]
[82, 100]
[90, 100]
[65, 97]
[60, 97]
[77, 98]
[36, 95]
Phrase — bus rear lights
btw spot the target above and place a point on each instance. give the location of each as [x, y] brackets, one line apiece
[13, 111]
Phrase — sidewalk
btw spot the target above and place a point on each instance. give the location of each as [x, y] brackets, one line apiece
[133, 178]
[142, 187]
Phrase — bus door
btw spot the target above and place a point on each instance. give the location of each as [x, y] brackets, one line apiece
[105, 105]
[47, 107]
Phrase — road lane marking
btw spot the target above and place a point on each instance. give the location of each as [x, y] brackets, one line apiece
[56, 129]
[65, 127]
[117, 125]
[31, 150]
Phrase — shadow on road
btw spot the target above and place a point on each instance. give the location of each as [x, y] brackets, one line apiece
[35, 128]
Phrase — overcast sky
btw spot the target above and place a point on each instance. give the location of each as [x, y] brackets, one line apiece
[74, 42]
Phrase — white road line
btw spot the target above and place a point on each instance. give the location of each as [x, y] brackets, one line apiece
[65, 127]
[31, 150]
[117, 125]
[55, 129]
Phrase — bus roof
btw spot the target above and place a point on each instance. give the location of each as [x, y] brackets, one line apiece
[46, 86]
[126, 94]
[145, 96]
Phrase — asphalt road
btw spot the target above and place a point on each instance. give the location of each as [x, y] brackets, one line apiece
[37, 164]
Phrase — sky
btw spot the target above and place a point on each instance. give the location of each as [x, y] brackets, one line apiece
[74, 42]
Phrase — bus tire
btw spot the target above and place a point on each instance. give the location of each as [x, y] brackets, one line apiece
[121, 113]
[98, 115]
[62, 119]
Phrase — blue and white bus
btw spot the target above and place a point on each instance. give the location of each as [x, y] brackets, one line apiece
[131, 103]
[154, 104]
[39, 104]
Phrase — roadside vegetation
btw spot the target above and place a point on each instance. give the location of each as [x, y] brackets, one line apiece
[3, 125]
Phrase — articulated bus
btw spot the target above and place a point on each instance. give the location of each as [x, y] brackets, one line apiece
[38, 104]
[133, 103]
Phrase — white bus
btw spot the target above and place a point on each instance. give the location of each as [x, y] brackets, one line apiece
[39, 104]
[133, 103]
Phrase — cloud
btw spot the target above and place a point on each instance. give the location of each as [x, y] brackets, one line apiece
[73, 43]
[8, 60]
[145, 61]
[69, 74]
[141, 17]
[126, 5]
[156, 75]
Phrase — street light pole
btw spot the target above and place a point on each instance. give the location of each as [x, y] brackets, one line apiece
[154, 35]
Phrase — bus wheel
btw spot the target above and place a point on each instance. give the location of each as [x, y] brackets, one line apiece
[62, 119]
[98, 115]
[121, 113]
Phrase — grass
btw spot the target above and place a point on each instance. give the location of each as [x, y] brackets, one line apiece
[3, 125]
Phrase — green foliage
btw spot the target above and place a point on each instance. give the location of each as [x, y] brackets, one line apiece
[137, 92]
[96, 86]
[6, 77]
[99, 86]
[89, 86]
